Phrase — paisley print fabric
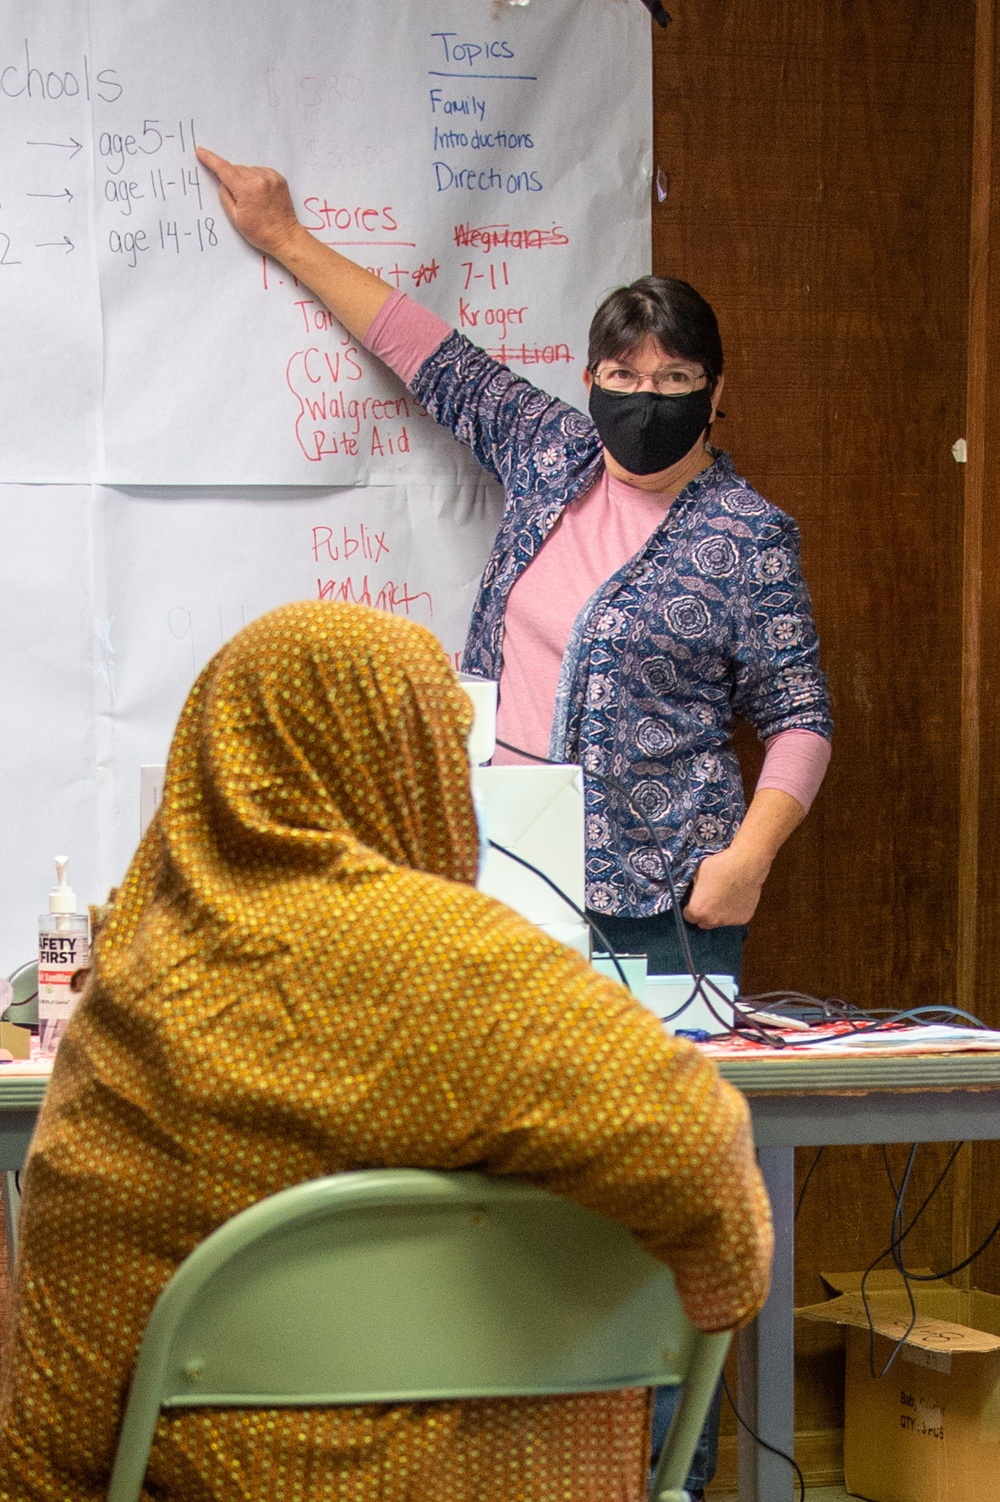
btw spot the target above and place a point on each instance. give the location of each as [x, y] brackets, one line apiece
[710, 621]
[298, 978]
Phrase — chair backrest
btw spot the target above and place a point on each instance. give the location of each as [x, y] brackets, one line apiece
[23, 1007]
[398, 1285]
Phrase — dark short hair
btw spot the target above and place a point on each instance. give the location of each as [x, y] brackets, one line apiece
[670, 311]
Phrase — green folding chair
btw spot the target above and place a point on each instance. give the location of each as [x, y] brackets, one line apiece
[23, 1009]
[402, 1285]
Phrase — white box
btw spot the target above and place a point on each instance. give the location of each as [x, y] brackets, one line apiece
[673, 999]
[537, 814]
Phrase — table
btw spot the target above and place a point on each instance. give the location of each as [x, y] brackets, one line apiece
[798, 1101]
[20, 1100]
[806, 1101]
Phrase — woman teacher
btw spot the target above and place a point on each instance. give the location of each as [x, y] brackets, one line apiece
[640, 594]
[639, 597]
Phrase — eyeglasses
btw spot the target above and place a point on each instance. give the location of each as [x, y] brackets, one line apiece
[622, 381]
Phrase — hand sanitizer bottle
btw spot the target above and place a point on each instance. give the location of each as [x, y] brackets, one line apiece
[63, 952]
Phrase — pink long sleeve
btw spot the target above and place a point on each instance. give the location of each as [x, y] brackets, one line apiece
[403, 333]
[795, 763]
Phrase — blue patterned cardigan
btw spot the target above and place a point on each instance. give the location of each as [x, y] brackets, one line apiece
[710, 620]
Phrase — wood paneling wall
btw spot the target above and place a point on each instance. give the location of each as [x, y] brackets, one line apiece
[817, 161]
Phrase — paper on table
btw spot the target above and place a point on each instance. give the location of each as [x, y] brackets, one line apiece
[931, 1039]
[841, 1043]
[25, 1068]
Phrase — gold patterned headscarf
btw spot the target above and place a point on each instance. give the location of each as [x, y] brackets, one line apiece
[298, 978]
[324, 743]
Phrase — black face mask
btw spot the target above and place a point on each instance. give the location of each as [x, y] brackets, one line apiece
[647, 432]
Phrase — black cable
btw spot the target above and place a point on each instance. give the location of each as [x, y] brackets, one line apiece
[701, 981]
[933, 1191]
[897, 1241]
[502, 849]
[749, 1026]
[763, 1442]
[833, 1009]
[805, 1183]
[702, 985]
[939, 1011]
[891, 1176]
[899, 1226]
[948, 1271]
[959, 1266]
[896, 1018]
[898, 1235]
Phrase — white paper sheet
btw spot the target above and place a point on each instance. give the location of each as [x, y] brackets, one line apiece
[143, 341]
[178, 577]
[48, 764]
[50, 354]
[491, 159]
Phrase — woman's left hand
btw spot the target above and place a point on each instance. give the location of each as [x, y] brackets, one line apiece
[726, 890]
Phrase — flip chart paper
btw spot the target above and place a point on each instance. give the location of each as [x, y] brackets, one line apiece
[49, 768]
[491, 159]
[176, 578]
[50, 354]
[453, 148]
[113, 601]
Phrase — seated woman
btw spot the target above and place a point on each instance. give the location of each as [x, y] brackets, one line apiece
[299, 978]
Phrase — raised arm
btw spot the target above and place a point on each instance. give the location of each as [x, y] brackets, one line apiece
[501, 417]
[259, 205]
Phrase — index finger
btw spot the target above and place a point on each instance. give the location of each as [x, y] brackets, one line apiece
[214, 162]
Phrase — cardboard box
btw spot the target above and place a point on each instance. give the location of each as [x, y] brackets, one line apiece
[929, 1430]
[15, 1040]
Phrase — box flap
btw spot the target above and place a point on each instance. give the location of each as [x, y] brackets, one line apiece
[881, 1279]
[984, 1310]
[890, 1316]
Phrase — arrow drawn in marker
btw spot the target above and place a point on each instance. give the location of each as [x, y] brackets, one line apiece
[64, 194]
[72, 145]
[42, 244]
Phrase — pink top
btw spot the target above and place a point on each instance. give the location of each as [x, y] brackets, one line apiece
[592, 539]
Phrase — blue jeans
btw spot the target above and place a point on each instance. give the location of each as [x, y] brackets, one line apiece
[716, 951]
[706, 1457]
